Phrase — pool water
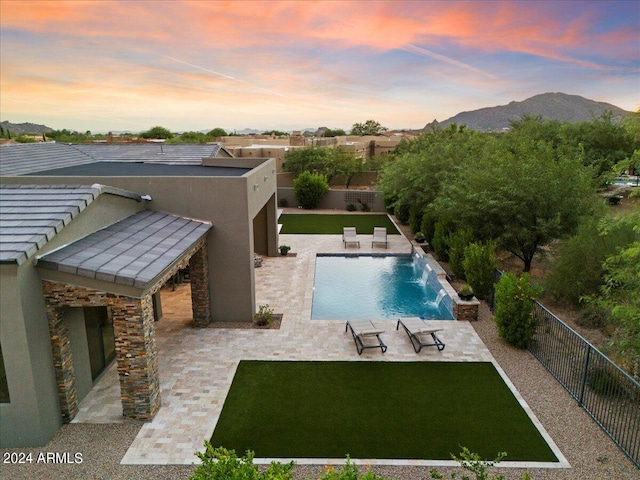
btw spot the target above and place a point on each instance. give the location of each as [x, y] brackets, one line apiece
[373, 287]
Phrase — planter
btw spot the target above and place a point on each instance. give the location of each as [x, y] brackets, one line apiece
[465, 296]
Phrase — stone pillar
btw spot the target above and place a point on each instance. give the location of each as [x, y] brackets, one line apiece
[199, 278]
[63, 363]
[136, 354]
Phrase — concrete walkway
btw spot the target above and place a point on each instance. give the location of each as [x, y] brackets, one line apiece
[197, 365]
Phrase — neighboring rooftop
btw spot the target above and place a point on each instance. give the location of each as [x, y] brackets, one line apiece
[31, 215]
[25, 158]
[129, 169]
[131, 252]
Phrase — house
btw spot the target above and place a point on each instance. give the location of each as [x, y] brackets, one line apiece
[88, 236]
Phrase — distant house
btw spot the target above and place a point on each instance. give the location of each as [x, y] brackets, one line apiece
[88, 236]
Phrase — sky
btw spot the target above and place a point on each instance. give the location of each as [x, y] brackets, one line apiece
[196, 65]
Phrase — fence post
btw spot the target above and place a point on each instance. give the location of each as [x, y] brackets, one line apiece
[584, 375]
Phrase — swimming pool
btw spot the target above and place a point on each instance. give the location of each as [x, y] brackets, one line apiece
[375, 287]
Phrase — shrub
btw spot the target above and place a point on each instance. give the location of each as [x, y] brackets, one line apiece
[264, 315]
[222, 464]
[351, 207]
[605, 381]
[309, 189]
[349, 471]
[283, 202]
[479, 265]
[428, 226]
[594, 316]
[415, 220]
[402, 212]
[457, 242]
[364, 206]
[440, 242]
[514, 309]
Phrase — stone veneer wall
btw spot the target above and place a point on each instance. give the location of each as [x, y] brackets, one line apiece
[464, 310]
[136, 350]
[199, 278]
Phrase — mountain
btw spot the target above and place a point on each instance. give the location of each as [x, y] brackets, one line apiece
[19, 128]
[550, 106]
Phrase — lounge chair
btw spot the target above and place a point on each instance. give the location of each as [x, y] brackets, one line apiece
[419, 332]
[349, 236]
[379, 236]
[365, 335]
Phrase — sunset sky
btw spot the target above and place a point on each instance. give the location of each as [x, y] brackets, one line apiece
[196, 65]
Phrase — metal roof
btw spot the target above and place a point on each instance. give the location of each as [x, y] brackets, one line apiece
[25, 158]
[31, 215]
[133, 252]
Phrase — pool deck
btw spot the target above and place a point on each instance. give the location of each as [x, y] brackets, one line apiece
[197, 365]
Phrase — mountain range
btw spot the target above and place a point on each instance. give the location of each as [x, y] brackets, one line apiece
[549, 106]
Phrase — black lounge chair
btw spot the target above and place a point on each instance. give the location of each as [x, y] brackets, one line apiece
[418, 331]
[365, 335]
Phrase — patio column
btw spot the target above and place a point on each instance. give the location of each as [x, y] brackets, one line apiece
[136, 354]
[63, 363]
[199, 277]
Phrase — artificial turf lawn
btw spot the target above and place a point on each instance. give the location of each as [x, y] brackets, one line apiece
[332, 224]
[412, 410]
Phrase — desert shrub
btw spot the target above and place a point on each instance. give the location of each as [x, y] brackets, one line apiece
[578, 270]
[283, 202]
[594, 316]
[264, 315]
[514, 309]
[479, 266]
[458, 241]
[349, 471]
[364, 206]
[605, 381]
[351, 207]
[222, 464]
[309, 189]
[440, 242]
[402, 212]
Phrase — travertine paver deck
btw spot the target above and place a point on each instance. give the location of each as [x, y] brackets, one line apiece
[197, 366]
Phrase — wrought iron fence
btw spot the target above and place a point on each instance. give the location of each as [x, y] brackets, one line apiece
[608, 394]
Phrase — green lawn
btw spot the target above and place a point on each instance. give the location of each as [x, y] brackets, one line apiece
[412, 410]
[331, 224]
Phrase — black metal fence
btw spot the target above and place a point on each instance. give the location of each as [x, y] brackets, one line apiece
[609, 395]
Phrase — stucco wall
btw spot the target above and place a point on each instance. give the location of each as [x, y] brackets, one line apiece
[336, 199]
[33, 415]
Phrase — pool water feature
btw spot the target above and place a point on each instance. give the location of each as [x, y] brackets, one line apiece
[377, 287]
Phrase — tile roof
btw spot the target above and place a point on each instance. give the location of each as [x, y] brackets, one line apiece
[31, 215]
[133, 252]
[24, 158]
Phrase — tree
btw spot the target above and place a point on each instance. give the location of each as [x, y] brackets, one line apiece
[523, 197]
[275, 133]
[217, 132]
[309, 189]
[312, 159]
[370, 127]
[338, 132]
[157, 132]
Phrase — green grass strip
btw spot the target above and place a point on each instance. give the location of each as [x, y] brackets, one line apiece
[412, 410]
[331, 224]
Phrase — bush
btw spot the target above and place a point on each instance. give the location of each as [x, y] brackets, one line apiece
[594, 316]
[440, 242]
[402, 212]
[605, 381]
[351, 207]
[264, 316]
[283, 202]
[309, 189]
[415, 220]
[364, 206]
[458, 241]
[514, 309]
[428, 226]
[479, 266]
[222, 464]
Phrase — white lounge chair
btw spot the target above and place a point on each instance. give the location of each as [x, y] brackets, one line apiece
[349, 236]
[418, 330]
[365, 335]
[379, 236]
